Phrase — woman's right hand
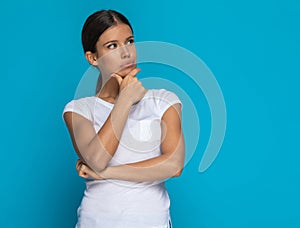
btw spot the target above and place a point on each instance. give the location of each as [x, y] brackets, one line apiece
[130, 87]
[86, 172]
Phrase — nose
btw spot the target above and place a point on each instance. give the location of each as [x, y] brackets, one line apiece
[125, 53]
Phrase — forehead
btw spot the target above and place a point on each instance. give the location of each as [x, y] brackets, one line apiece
[116, 32]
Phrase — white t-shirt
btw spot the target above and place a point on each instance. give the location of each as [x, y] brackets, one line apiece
[125, 204]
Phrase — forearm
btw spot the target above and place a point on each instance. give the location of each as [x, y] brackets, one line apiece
[158, 168]
[138, 172]
[97, 149]
[103, 146]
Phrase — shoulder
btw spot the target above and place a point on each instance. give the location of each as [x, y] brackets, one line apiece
[162, 99]
[83, 106]
[161, 95]
[81, 103]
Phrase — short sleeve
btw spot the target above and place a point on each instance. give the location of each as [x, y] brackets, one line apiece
[78, 106]
[165, 100]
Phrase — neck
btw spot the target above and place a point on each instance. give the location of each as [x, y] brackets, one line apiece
[110, 91]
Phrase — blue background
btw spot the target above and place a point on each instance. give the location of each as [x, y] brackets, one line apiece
[251, 47]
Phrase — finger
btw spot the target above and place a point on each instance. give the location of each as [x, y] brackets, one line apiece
[118, 78]
[83, 171]
[78, 164]
[133, 72]
[83, 174]
[86, 170]
[89, 173]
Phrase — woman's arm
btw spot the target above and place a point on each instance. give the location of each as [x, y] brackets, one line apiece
[97, 149]
[167, 165]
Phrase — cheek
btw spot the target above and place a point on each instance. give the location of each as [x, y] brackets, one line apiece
[110, 62]
[132, 51]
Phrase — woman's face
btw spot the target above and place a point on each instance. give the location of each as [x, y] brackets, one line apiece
[116, 51]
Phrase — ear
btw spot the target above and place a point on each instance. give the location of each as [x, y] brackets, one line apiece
[91, 58]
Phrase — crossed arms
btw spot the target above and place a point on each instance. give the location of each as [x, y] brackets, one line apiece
[95, 150]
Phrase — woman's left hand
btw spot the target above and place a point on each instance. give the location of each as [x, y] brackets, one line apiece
[85, 171]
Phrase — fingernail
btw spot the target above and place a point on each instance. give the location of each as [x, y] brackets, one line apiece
[113, 75]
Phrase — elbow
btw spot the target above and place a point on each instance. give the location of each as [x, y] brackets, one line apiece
[178, 173]
[98, 169]
[178, 160]
[96, 156]
[97, 165]
[177, 169]
[95, 161]
[178, 166]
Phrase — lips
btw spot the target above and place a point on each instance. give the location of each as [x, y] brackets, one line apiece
[126, 65]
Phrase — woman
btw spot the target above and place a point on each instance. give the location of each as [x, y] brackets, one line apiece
[129, 139]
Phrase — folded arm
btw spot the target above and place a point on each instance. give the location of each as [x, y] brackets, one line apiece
[97, 149]
[169, 164]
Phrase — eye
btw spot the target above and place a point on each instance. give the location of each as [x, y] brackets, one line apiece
[111, 46]
[130, 41]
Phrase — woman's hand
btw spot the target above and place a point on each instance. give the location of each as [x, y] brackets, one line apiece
[86, 172]
[130, 87]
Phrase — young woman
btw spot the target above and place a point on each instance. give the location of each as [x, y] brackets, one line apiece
[129, 139]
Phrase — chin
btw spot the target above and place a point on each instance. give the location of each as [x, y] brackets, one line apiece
[126, 71]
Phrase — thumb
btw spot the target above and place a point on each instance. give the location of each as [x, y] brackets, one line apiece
[83, 174]
[118, 78]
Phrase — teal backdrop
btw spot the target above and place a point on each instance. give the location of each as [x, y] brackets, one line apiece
[253, 49]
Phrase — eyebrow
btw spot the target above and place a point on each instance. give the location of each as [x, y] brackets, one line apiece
[117, 40]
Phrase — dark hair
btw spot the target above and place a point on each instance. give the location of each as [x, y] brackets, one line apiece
[96, 24]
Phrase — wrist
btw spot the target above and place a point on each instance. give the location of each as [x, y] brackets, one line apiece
[124, 100]
[105, 173]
